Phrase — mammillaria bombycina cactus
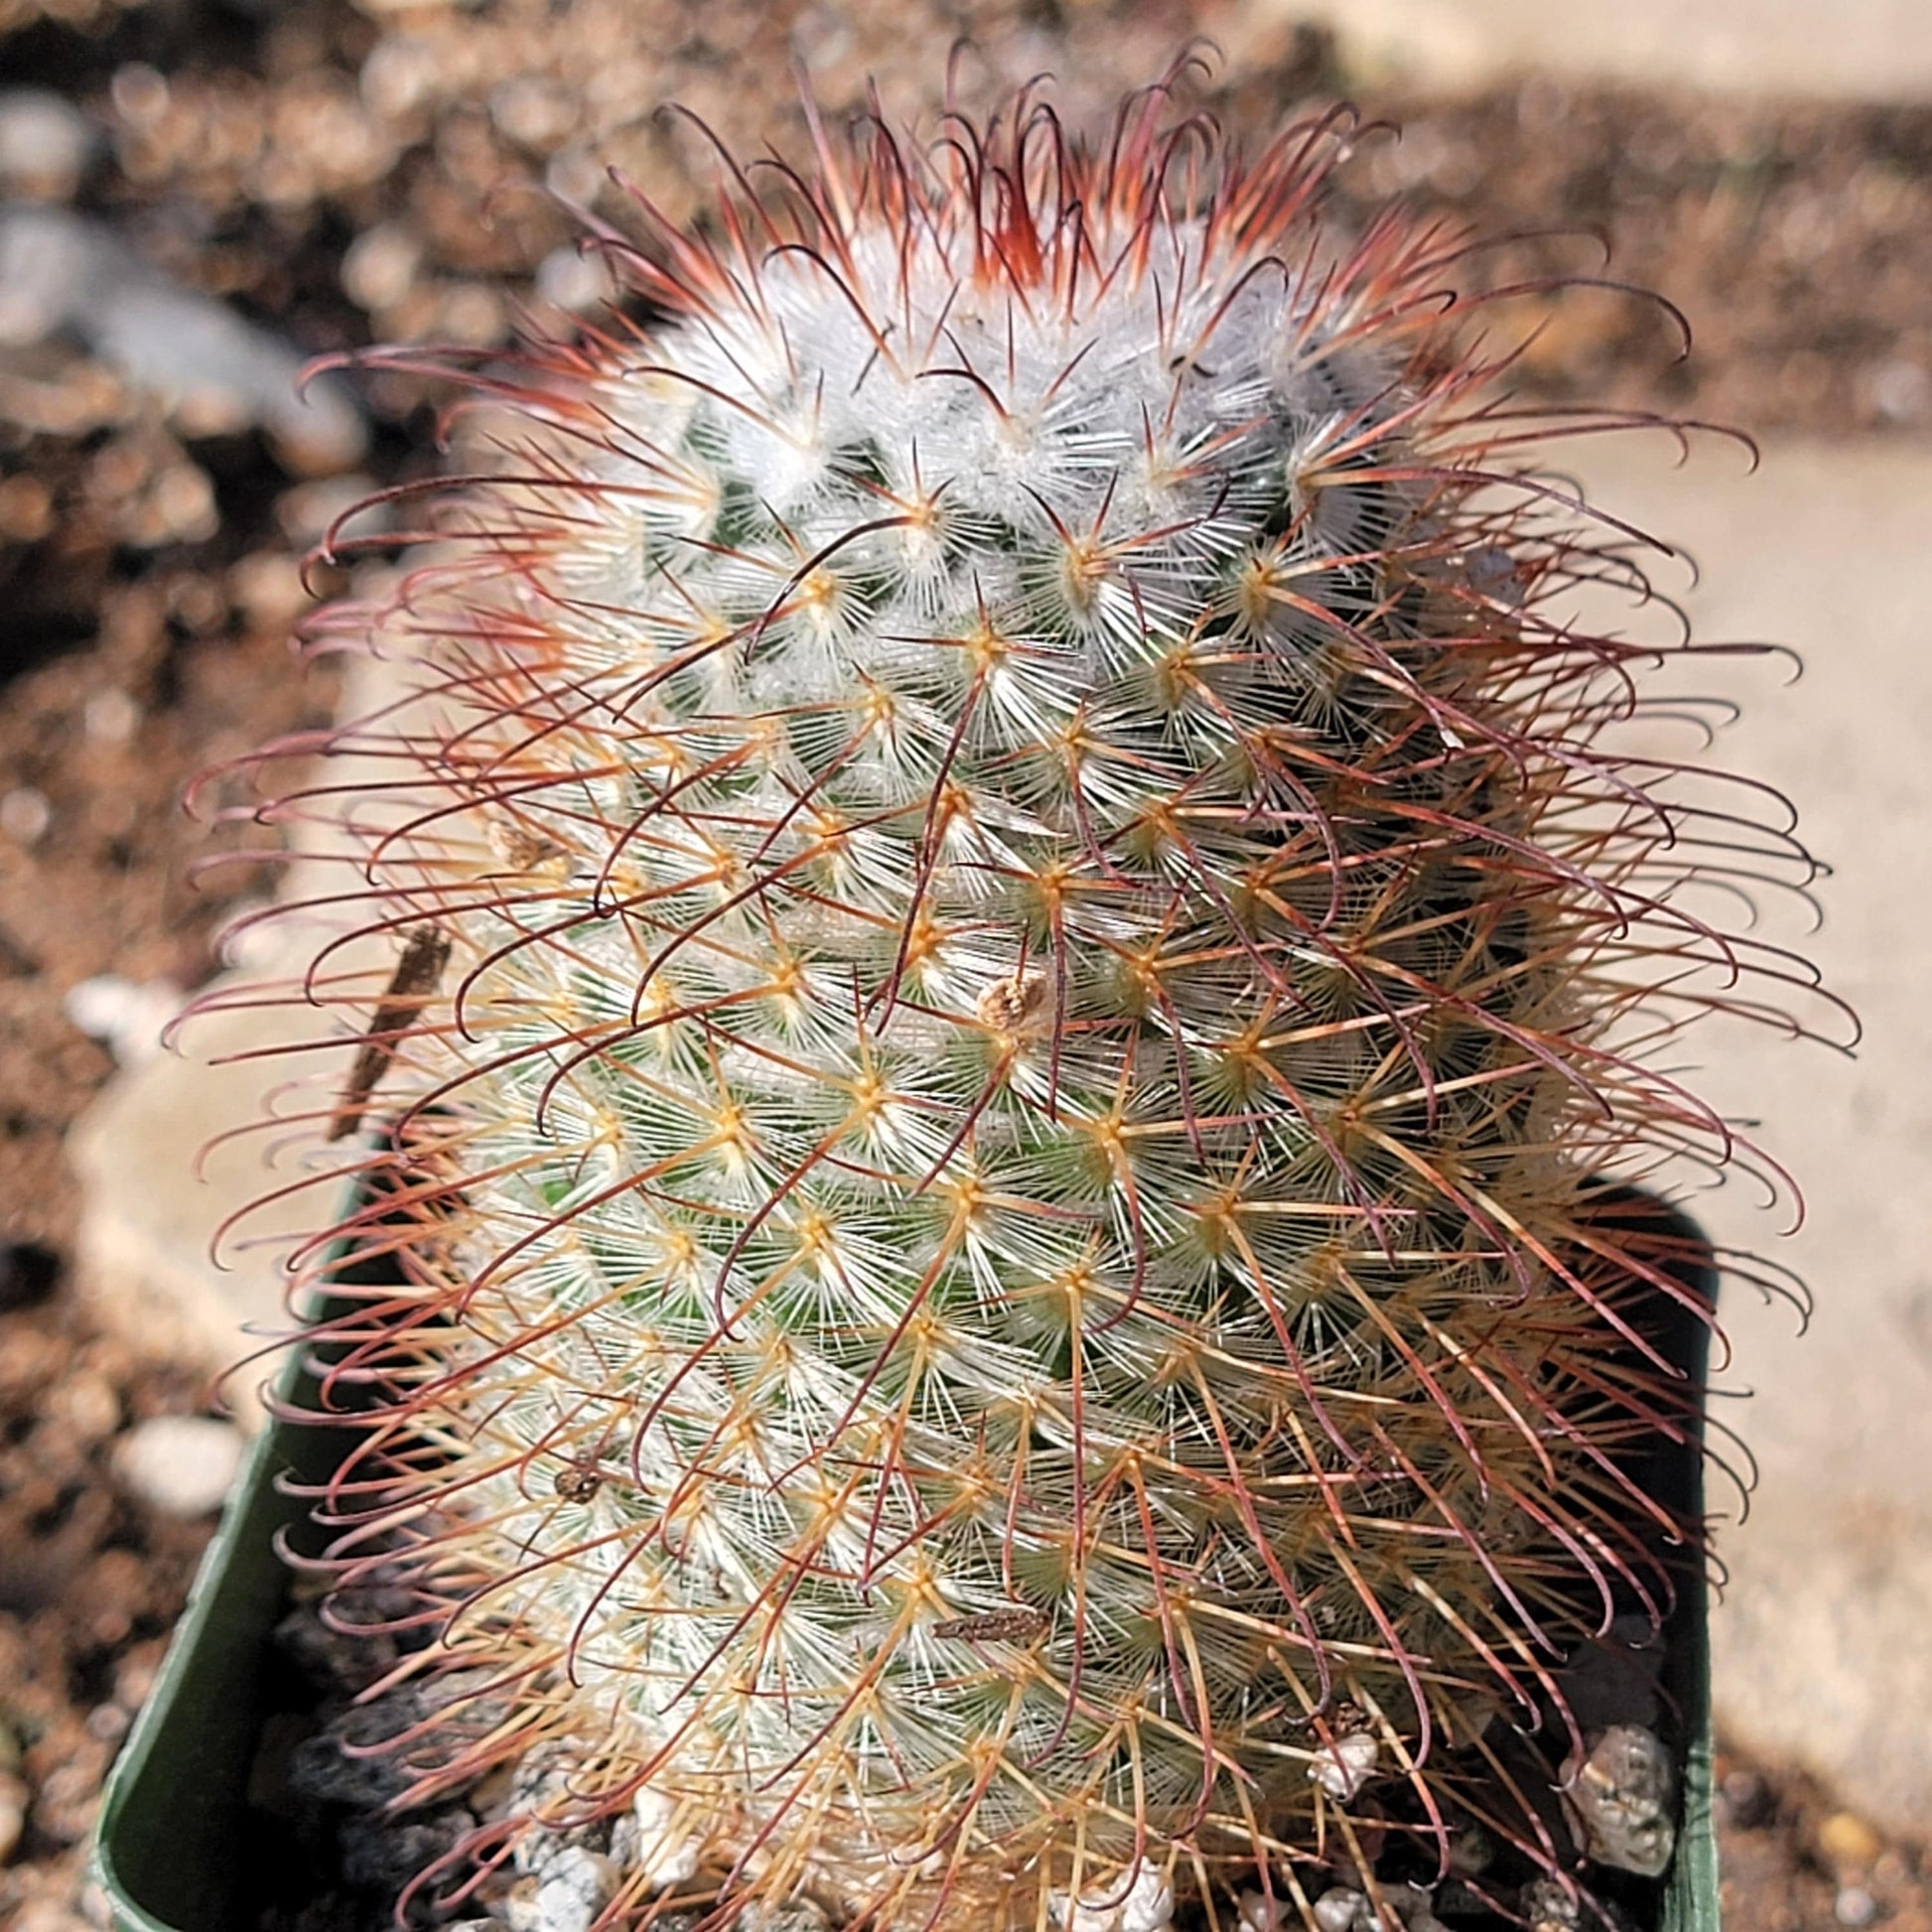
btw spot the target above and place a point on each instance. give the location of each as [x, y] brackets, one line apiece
[1022, 948]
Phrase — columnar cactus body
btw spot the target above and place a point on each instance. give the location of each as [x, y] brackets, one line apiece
[1004, 1310]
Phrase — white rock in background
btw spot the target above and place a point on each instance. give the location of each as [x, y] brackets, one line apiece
[25, 815]
[1547, 1907]
[575, 279]
[1260, 1914]
[1144, 1906]
[1623, 1792]
[14, 1800]
[127, 1019]
[1343, 1767]
[667, 1857]
[575, 1887]
[1339, 1909]
[46, 143]
[155, 1187]
[62, 271]
[1820, 1655]
[182, 1466]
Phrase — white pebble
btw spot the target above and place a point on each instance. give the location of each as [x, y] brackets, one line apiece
[381, 265]
[25, 815]
[1548, 1907]
[88, 1404]
[128, 1020]
[1340, 1910]
[1855, 1906]
[1343, 1767]
[575, 1887]
[1901, 391]
[110, 717]
[13, 1813]
[1624, 1791]
[1146, 1905]
[400, 75]
[665, 1856]
[45, 143]
[46, 265]
[182, 1466]
[573, 279]
[308, 513]
[1261, 1914]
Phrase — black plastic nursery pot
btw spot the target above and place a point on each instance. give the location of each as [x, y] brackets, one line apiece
[177, 1844]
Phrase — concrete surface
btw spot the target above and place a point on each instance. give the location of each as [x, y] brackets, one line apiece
[150, 1257]
[1823, 1639]
[1868, 49]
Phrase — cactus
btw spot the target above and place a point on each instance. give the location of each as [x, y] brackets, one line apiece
[1022, 939]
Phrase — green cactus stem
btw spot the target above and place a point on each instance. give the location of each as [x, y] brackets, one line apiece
[1044, 934]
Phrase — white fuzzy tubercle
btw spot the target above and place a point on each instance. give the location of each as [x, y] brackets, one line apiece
[1026, 919]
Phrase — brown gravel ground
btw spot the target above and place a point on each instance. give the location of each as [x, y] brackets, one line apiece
[348, 174]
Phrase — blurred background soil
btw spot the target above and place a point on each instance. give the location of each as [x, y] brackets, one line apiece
[319, 175]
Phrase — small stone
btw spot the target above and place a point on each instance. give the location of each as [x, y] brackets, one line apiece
[1901, 391]
[69, 1796]
[575, 279]
[1340, 1909]
[1471, 1850]
[139, 93]
[194, 354]
[401, 74]
[1414, 1906]
[575, 174]
[47, 1915]
[1848, 1841]
[474, 315]
[128, 1020]
[46, 143]
[110, 717]
[1622, 1792]
[517, 1908]
[267, 588]
[1853, 1905]
[183, 505]
[180, 1465]
[26, 509]
[25, 815]
[108, 1724]
[792, 1915]
[1144, 1905]
[1343, 1767]
[381, 265]
[47, 266]
[1548, 1907]
[666, 1855]
[535, 113]
[311, 510]
[134, 1675]
[1410, 1907]
[1258, 1913]
[88, 1405]
[13, 1812]
[387, 1852]
[1744, 1800]
[575, 1887]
